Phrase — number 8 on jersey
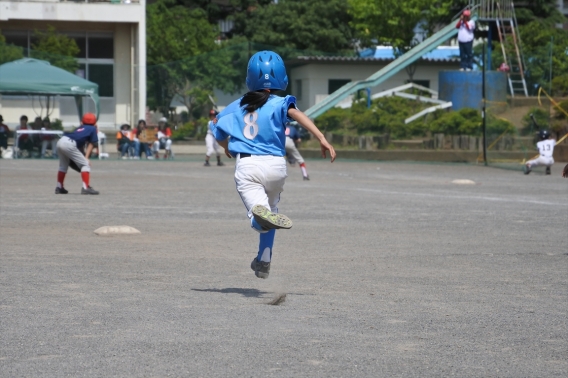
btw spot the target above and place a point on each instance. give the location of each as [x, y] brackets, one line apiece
[251, 127]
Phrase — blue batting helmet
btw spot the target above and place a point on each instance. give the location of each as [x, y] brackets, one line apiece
[544, 134]
[266, 71]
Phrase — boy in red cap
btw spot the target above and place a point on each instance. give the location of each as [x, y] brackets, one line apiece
[70, 149]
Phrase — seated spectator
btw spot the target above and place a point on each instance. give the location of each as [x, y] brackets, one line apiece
[24, 141]
[4, 133]
[164, 139]
[36, 138]
[48, 139]
[125, 140]
[143, 146]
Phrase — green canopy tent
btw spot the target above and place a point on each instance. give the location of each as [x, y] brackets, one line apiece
[39, 78]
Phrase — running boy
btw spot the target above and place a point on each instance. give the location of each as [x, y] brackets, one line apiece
[70, 151]
[252, 129]
[546, 149]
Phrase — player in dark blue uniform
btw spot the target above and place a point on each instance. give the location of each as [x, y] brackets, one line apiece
[70, 149]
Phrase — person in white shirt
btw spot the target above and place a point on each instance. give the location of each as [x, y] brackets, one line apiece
[546, 149]
[465, 40]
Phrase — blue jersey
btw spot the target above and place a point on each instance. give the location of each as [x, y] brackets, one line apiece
[83, 134]
[261, 132]
[292, 133]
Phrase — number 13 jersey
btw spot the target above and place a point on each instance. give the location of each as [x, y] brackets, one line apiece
[261, 132]
[546, 147]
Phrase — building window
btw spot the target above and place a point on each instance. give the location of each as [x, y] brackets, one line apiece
[335, 84]
[298, 89]
[97, 62]
[95, 58]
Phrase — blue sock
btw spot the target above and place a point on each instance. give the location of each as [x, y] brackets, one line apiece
[255, 225]
[265, 246]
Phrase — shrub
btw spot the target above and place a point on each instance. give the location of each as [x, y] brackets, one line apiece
[184, 131]
[334, 119]
[57, 124]
[542, 117]
[560, 85]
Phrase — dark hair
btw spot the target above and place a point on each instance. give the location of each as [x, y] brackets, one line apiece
[254, 100]
[141, 121]
[125, 126]
[23, 117]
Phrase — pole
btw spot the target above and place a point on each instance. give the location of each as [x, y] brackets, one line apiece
[489, 46]
[484, 124]
[550, 81]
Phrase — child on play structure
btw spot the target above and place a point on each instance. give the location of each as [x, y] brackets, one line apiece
[252, 129]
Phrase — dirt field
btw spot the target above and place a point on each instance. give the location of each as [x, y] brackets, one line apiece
[390, 270]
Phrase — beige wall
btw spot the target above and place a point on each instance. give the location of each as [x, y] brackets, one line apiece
[315, 77]
[122, 108]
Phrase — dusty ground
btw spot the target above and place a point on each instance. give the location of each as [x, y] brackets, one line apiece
[389, 270]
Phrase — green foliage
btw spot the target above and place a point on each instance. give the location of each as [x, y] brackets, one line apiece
[333, 120]
[57, 49]
[184, 131]
[465, 121]
[560, 118]
[560, 85]
[542, 117]
[393, 21]
[176, 35]
[57, 124]
[9, 53]
[316, 25]
[537, 38]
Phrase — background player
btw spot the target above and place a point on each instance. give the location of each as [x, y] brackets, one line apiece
[252, 129]
[292, 137]
[211, 142]
[70, 151]
[546, 149]
[565, 171]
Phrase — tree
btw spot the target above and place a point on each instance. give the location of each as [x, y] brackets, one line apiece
[9, 53]
[393, 21]
[184, 59]
[316, 25]
[57, 49]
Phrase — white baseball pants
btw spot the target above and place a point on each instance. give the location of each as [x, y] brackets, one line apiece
[260, 180]
[167, 145]
[212, 145]
[292, 151]
[541, 160]
[67, 150]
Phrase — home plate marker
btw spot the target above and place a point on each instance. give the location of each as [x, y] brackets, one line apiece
[116, 230]
[463, 182]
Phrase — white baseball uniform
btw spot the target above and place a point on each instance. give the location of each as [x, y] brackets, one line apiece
[546, 150]
[211, 142]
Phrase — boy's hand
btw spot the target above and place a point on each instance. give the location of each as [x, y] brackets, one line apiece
[325, 146]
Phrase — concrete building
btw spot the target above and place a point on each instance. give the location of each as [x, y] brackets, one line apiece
[111, 35]
[312, 78]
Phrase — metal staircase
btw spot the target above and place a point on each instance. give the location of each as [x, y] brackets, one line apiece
[502, 12]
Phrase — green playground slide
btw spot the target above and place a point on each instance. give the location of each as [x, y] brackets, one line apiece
[385, 73]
